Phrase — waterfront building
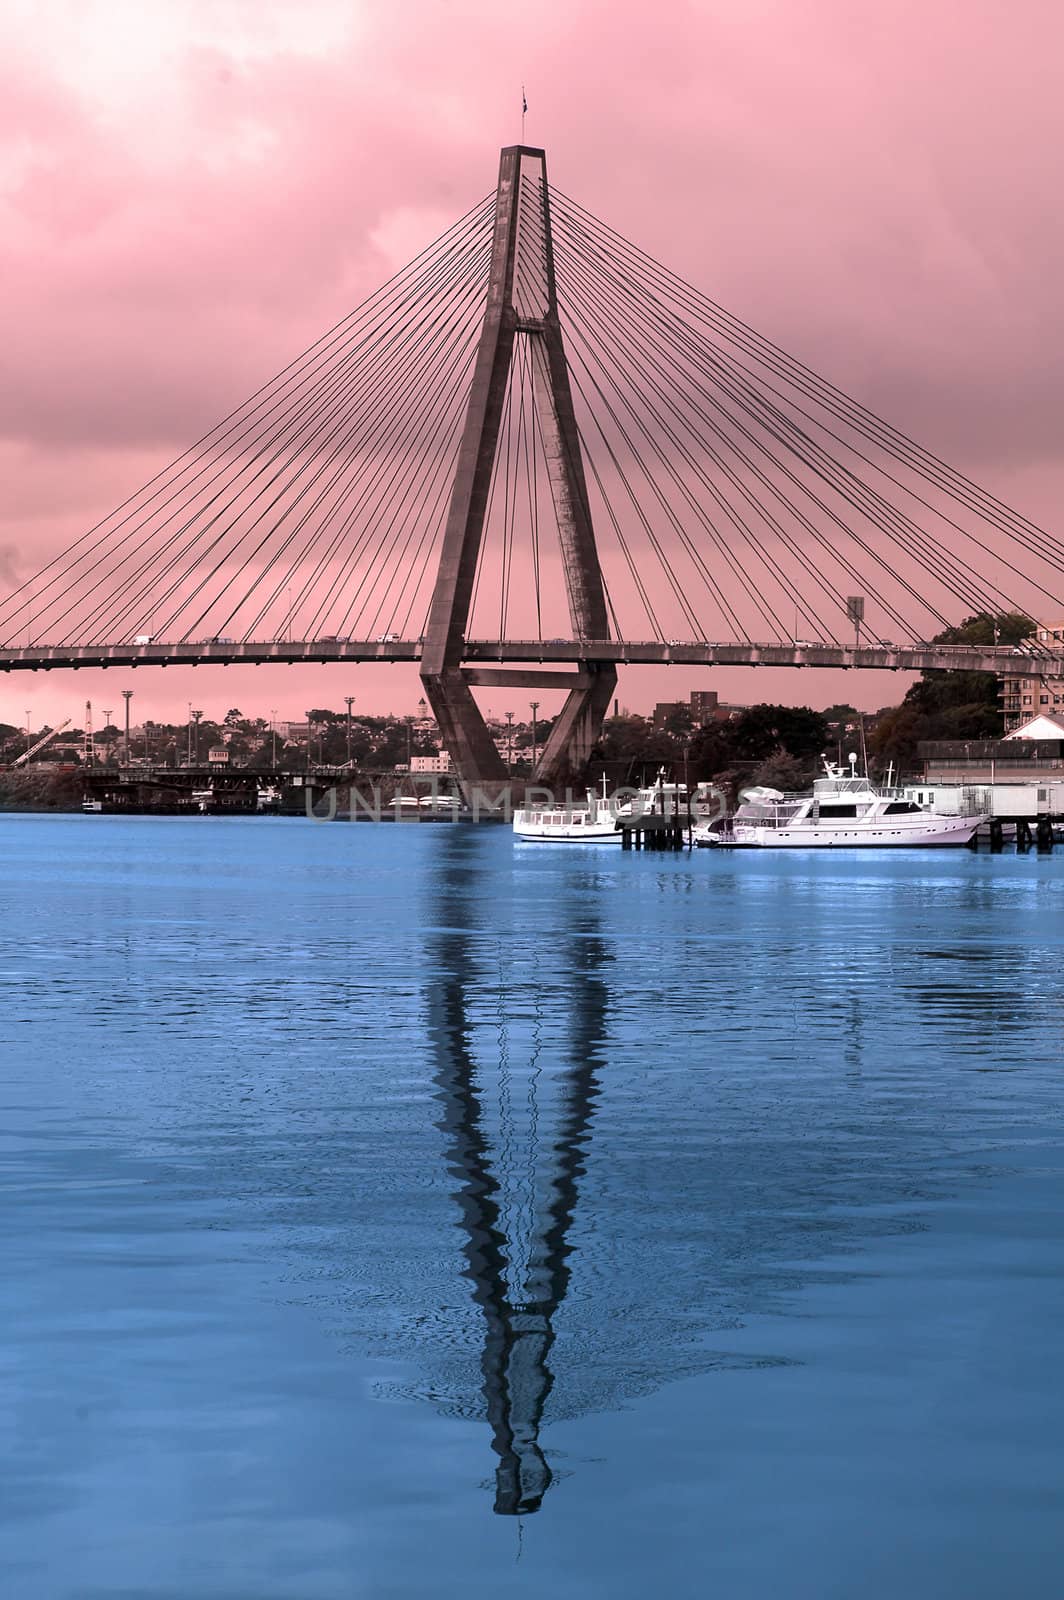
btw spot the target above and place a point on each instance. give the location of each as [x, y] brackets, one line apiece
[1043, 727]
[1031, 753]
[1025, 692]
[1005, 801]
[703, 706]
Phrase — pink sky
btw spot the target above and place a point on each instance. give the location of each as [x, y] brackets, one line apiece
[191, 192]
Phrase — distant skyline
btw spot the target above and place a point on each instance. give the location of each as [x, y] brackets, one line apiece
[190, 194]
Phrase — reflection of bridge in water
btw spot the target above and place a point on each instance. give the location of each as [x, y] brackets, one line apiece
[536, 446]
[518, 1291]
[580, 1134]
[597, 1280]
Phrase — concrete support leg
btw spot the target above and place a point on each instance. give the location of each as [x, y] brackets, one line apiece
[465, 735]
[573, 736]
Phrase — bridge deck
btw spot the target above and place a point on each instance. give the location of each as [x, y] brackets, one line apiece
[909, 658]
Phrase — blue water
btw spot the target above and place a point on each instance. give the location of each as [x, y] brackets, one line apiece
[393, 1211]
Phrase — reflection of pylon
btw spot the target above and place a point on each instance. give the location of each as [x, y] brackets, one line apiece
[518, 302]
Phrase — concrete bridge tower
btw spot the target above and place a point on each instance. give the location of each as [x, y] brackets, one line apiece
[521, 302]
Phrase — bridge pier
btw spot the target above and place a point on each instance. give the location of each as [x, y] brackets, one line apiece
[573, 737]
[474, 758]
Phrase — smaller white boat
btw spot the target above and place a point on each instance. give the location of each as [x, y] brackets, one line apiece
[439, 805]
[593, 823]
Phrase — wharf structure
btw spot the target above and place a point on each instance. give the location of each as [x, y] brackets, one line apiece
[1018, 779]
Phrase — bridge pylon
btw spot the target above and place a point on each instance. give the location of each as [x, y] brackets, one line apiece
[521, 300]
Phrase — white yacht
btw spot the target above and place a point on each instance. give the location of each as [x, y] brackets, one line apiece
[844, 811]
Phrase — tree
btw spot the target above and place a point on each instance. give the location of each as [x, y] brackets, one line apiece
[679, 721]
[628, 742]
[785, 772]
[950, 705]
[763, 730]
[989, 627]
[712, 751]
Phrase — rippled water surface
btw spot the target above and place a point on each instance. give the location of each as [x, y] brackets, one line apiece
[393, 1211]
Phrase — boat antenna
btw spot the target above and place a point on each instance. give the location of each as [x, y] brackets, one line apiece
[864, 747]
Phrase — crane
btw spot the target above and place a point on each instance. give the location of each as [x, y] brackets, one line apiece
[32, 751]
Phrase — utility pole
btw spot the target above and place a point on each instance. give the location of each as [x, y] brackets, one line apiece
[349, 701]
[90, 748]
[509, 743]
[534, 705]
[196, 715]
[273, 736]
[189, 761]
[409, 743]
[29, 735]
[310, 742]
[106, 723]
[127, 695]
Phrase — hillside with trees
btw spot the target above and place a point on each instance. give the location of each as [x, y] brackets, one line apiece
[949, 705]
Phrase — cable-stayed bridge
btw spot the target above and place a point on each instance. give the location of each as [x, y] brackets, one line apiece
[537, 448]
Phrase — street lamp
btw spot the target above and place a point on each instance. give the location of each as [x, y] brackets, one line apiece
[107, 723]
[855, 611]
[196, 715]
[127, 695]
[509, 742]
[349, 701]
[534, 706]
[29, 736]
[273, 736]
